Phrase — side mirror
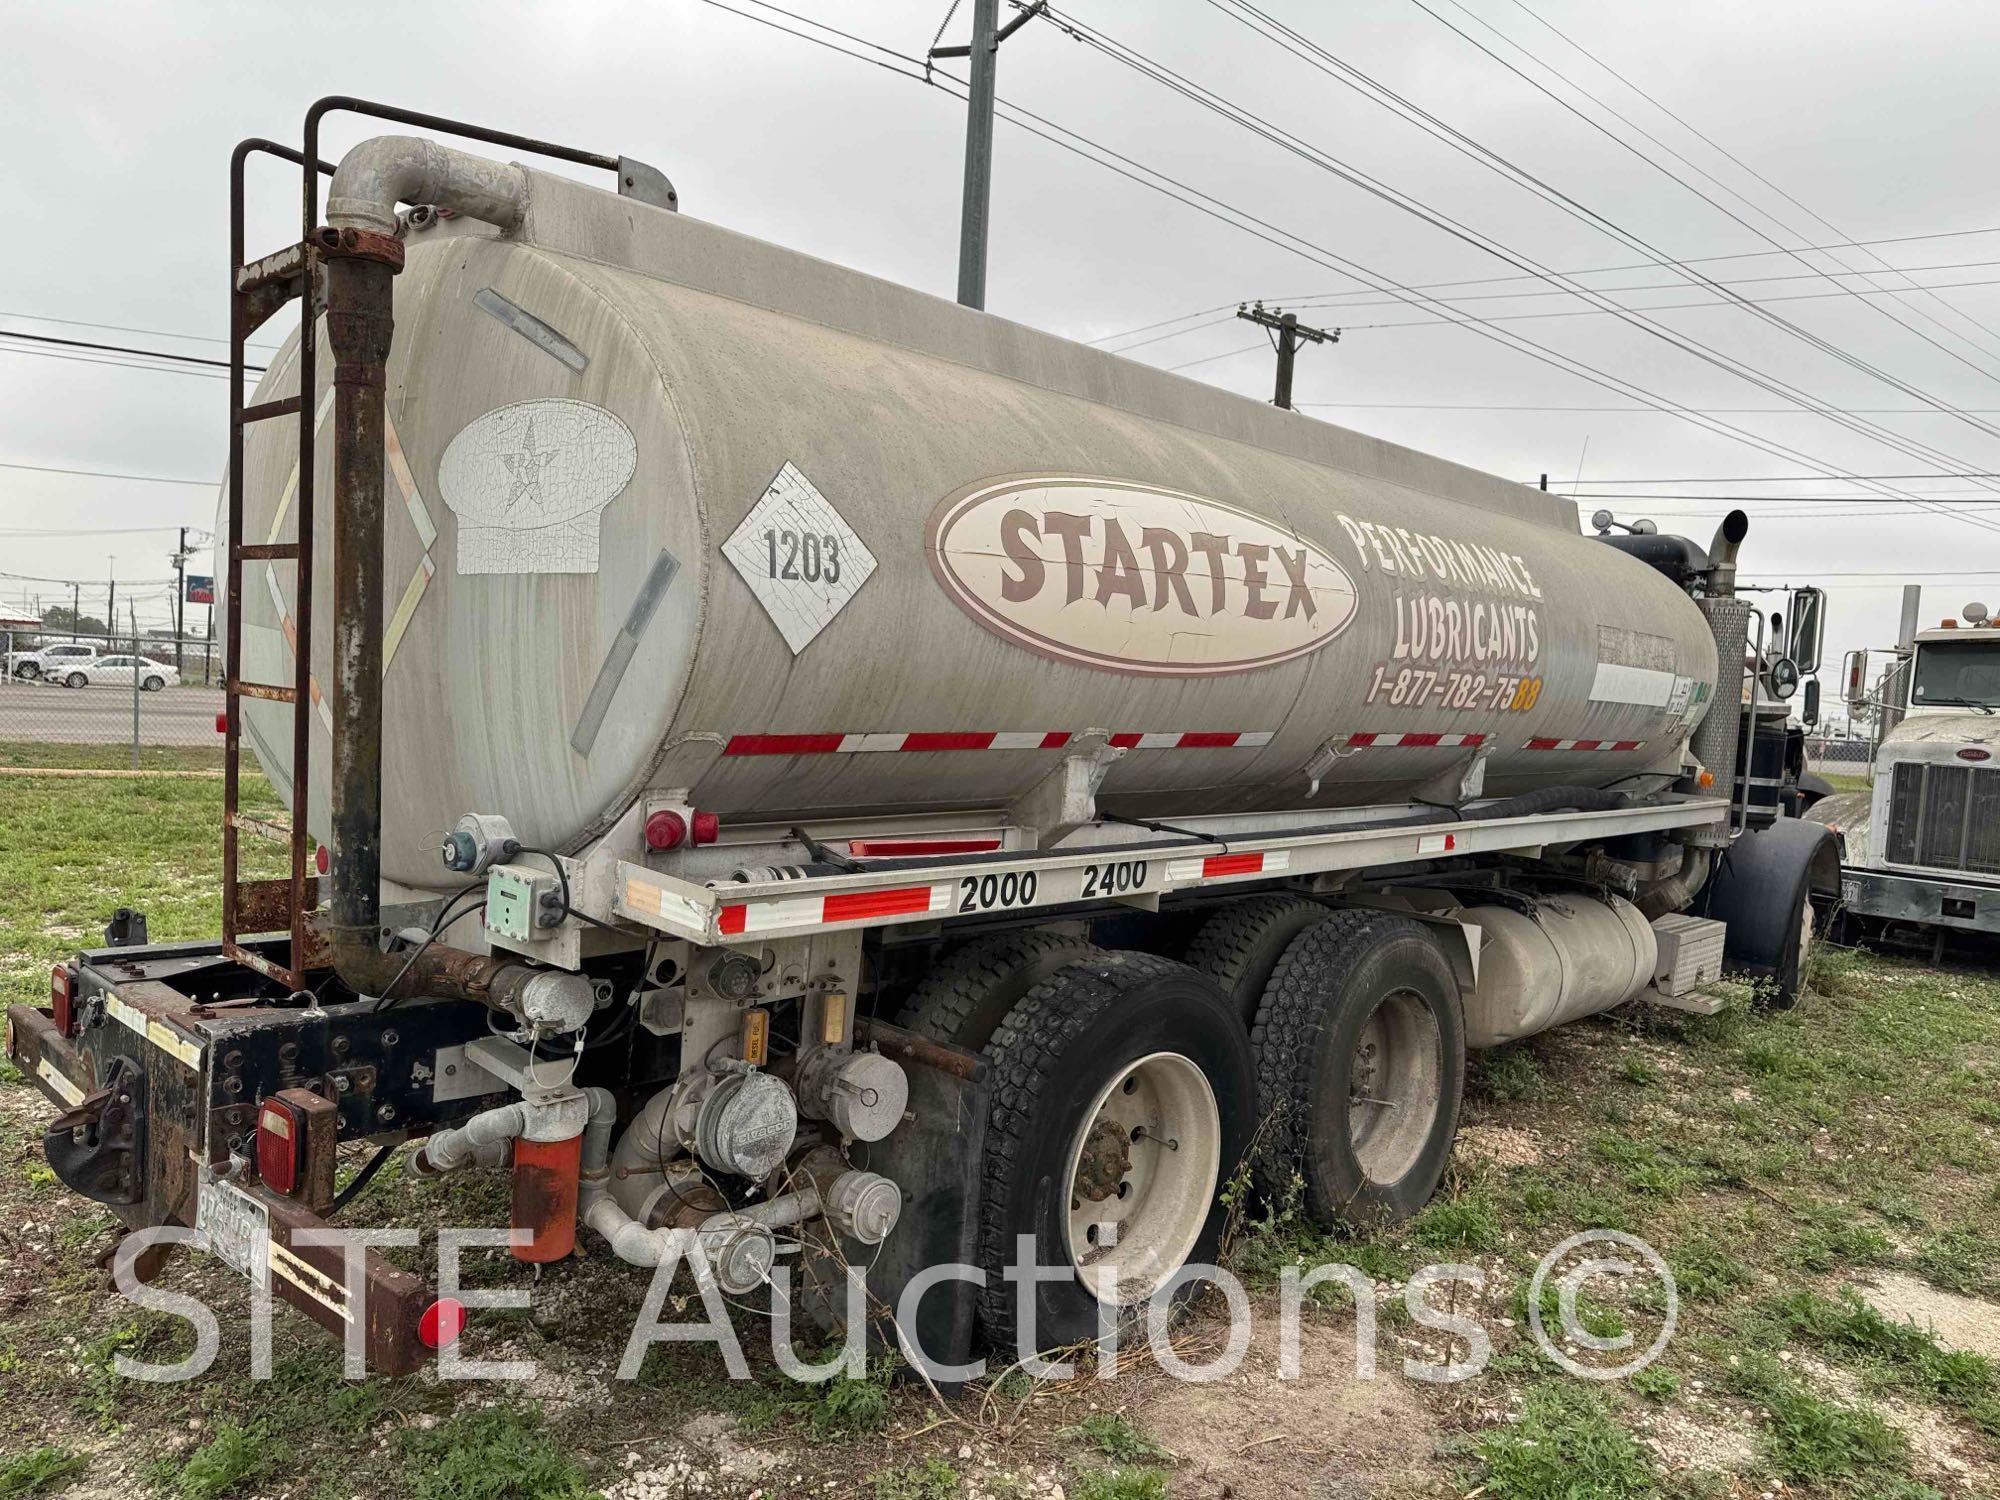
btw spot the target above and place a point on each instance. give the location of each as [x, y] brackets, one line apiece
[1808, 614]
[1784, 678]
[1809, 710]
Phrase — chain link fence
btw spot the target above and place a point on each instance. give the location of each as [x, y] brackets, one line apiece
[1831, 755]
[77, 700]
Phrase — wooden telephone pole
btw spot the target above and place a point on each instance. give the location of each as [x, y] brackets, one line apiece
[1290, 333]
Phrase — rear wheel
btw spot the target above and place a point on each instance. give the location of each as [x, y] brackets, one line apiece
[1360, 1067]
[76, 679]
[153, 684]
[1241, 944]
[28, 671]
[1123, 1096]
[963, 1000]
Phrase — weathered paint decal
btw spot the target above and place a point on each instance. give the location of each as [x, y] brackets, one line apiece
[1132, 578]
[533, 329]
[527, 482]
[55, 1078]
[645, 603]
[1617, 683]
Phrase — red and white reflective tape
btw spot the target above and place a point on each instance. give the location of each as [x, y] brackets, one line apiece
[1391, 740]
[994, 739]
[853, 906]
[1213, 866]
[1548, 744]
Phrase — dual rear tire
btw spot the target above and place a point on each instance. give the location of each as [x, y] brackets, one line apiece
[1127, 1089]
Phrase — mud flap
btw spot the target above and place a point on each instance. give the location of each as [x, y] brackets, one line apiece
[934, 1158]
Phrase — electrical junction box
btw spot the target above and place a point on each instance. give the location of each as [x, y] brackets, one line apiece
[516, 895]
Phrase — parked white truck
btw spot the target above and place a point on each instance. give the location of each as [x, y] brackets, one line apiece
[1922, 844]
[804, 763]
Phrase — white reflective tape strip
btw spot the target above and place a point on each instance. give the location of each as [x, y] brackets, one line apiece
[399, 469]
[762, 916]
[871, 742]
[1019, 739]
[405, 608]
[941, 897]
[1437, 843]
[669, 904]
[66, 1091]
[311, 1280]
[1617, 683]
[1256, 737]
[1158, 741]
[159, 1033]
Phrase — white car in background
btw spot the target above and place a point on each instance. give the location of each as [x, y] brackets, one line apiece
[51, 663]
[119, 671]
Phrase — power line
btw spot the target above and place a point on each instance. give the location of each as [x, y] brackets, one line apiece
[1241, 116]
[1717, 146]
[1648, 411]
[1248, 223]
[105, 474]
[1673, 176]
[1326, 62]
[86, 530]
[179, 359]
[1588, 312]
[1767, 479]
[158, 333]
[111, 363]
[1341, 299]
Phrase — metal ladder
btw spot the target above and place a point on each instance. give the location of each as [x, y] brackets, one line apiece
[257, 291]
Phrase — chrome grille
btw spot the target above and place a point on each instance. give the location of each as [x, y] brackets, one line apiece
[1945, 817]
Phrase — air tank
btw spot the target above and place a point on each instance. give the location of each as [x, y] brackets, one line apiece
[672, 508]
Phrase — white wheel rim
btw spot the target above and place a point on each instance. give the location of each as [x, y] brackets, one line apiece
[1142, 1176]
[1395, 1087]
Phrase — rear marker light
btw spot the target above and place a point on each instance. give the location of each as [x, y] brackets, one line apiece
[59, 997]
[280, 1140]
[320, 859]
[706, 828]
[665, 830]
[222, 722]
[441, 1323]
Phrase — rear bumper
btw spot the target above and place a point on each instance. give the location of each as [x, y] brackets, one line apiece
[264, 1228]
[1924, 899]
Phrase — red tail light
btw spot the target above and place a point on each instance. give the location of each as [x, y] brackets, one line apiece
[320, 859]
[280, 1145]
[441, 1323]
[222, 722]
[60, 1004]
[705, 828]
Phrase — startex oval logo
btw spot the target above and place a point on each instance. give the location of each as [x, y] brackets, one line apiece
[1131, 578]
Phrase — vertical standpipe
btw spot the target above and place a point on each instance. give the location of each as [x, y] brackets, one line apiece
[1716, 739]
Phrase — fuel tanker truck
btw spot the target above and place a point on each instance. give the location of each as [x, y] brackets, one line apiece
[800, 774]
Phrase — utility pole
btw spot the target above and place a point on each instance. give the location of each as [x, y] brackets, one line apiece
[984, 53]
[180, 595]
[111, 604]
[75, 607]
[1290, 332]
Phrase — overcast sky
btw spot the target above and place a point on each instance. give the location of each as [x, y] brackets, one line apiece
[1877, 119]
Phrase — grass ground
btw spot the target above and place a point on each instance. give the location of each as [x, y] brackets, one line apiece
[1824, 1183]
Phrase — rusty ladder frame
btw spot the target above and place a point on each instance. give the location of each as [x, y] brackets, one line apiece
[256, 292]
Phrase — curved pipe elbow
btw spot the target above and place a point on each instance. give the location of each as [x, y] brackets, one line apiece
[390, 169]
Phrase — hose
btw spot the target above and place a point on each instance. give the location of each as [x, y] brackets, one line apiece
[1550, 799]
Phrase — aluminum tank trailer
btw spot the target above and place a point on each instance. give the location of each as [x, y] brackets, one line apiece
[782, 764]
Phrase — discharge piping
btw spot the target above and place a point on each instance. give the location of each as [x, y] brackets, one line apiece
[362, 257]
[1677, 891]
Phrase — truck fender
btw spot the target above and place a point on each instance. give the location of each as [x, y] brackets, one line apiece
[1761, 888]
[1813, 788]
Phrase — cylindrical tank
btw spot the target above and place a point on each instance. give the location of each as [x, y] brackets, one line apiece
[672, 508]
[1556, 960]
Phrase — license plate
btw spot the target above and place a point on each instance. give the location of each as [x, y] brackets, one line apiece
[236, 1229]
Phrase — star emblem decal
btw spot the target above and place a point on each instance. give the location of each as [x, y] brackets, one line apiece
[525, 468]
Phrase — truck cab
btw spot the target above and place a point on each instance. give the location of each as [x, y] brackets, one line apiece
[1927, 848]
